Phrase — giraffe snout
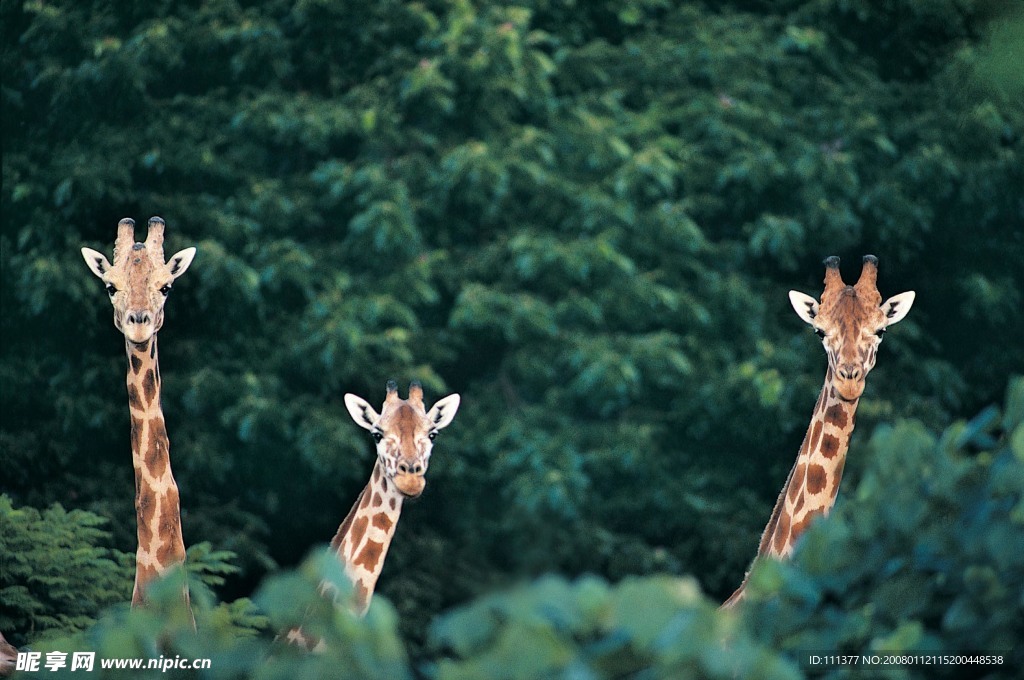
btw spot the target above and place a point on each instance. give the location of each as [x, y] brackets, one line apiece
[413, 468]
[411, 485]
[410, 477]
[849, 381]
[850, 371]
[140, 317]
[139, 325]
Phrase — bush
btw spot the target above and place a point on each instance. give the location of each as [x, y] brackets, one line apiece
[56, 572]
[924, 555]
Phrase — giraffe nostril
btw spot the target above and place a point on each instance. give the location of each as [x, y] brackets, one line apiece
[410, 468]
[849, 372]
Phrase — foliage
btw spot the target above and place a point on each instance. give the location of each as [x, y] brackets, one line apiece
[356, 648]
[883, 574]
[57, 571]
[584, 217]
[924, 556]
[210, 566]
[656, 626]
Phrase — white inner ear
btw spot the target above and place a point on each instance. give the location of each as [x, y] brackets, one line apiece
[180, 261]
[806, 307]
[896, 307]
[444, 410]
[361, 411]
[97, 261]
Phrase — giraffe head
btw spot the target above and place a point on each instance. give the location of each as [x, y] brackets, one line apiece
[850, 321]
[404, 432]
[139, 280]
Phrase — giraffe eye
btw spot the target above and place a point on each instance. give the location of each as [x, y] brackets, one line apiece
[111, 289]
[432, 435]
[377, 436]
[820, 333]
[880, 332]
[165, 289]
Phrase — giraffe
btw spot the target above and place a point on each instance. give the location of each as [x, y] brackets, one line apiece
[404, 433]
[138, 282]
[8, 657]
[850, 320]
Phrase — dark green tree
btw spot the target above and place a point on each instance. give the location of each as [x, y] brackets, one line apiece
[584, 217]
[57, 571]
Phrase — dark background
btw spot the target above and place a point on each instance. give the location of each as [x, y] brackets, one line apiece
[583, 217]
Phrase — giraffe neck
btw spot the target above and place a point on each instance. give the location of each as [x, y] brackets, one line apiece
[361, 545]
[813, 483]
[157, 510]
[8, 657]
[365, 534]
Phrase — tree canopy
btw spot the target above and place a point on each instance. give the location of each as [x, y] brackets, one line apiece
[584, 218]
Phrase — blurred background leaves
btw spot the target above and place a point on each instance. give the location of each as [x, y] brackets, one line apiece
[584, 217]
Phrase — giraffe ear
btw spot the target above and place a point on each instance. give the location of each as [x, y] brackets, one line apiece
[97, 261]
[896, 307]
[444, 410]
[361, 411]
[806, 307]
[180, 261]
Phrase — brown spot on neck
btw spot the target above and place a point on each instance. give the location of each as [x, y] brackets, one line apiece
[360, 596]
[764, 546]
[781, 533]
[837, 477]
[382, 521]
[145, 506]
[796, 481]
[369, 556]
[357, 532]
[156, 456]
[346, 524]
[149, 386]
[830, 446]
[814, 435]
[800, 527]
[816, 479]
[172, 549]
[144, 574]
[133, 397]
[836, 415]
[136, 436]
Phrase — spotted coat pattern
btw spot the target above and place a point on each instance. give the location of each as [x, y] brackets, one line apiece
[850, 320]
[138, 282]
[157, 506]
[403, 432]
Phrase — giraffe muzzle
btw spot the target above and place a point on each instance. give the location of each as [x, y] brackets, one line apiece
[850, 390]
[410, 484]
[141, 318]
[138, 325]
[851, 372]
